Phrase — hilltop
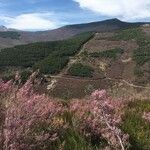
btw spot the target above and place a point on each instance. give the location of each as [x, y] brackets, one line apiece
[24, 37]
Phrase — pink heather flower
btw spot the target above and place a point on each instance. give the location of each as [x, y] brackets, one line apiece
[101, 116]
[5, 87]
[99, 94]
[28, 112]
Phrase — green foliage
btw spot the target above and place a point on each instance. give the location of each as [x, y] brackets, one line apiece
[143, 40]
[81, 70]
[43, 53]
[8, 77]
[51, 64]
[137, 128]
[133, 33]
[138, 72]
[142, 55]
[113, 53]
[68, 139]
[9, 34]
[73, 141]
[128, 34]
[24, 75]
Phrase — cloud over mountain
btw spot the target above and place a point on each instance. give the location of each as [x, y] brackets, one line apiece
[31, 21]
[124, 9]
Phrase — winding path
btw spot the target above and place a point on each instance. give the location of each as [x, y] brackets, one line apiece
[74, 59]
[104, 78]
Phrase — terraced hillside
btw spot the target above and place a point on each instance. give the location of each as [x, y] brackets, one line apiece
[77, 66]
[108, 61]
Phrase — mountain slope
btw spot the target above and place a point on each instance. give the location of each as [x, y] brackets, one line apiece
[64, 32]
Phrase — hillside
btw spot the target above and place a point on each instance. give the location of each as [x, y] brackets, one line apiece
[86, 61]
[61, 33]
[90, 91]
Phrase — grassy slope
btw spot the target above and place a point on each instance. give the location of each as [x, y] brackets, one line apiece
[135, 126]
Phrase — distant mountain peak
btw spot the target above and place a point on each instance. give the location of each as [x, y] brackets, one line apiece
[115, 19]
[3, 28]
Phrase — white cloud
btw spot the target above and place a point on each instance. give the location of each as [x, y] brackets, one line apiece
[124, 9]
[32, 21]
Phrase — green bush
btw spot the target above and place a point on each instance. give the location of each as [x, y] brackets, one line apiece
[6, 78]
[80, 70]
[113, 53]
[24, 75]
[137, 128]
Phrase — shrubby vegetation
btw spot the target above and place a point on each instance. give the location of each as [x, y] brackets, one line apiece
[138, 71]
[142, 55]
[32, 121]
[50, 54]
[128, 34]
[9, 34]
[137, 127]
[80, 70]
[24, 75]
[8, 77]
[133, 33]
[112, 53]
[143, 40]
[51, 64]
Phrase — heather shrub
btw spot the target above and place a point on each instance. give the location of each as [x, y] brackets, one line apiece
[38, 122]
[99, 118]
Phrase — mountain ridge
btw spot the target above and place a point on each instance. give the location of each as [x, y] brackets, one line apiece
[65, 32]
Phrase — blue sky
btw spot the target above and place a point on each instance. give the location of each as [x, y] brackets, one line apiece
[51, 14]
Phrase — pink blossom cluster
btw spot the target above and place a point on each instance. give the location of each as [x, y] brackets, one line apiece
[146, 116]
[33, 120]
[5, 86]
[101, 116]
[30, 117]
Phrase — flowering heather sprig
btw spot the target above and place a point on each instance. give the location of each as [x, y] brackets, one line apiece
[29, 117]
[5, 86]
[33, 120]
[101, 116]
